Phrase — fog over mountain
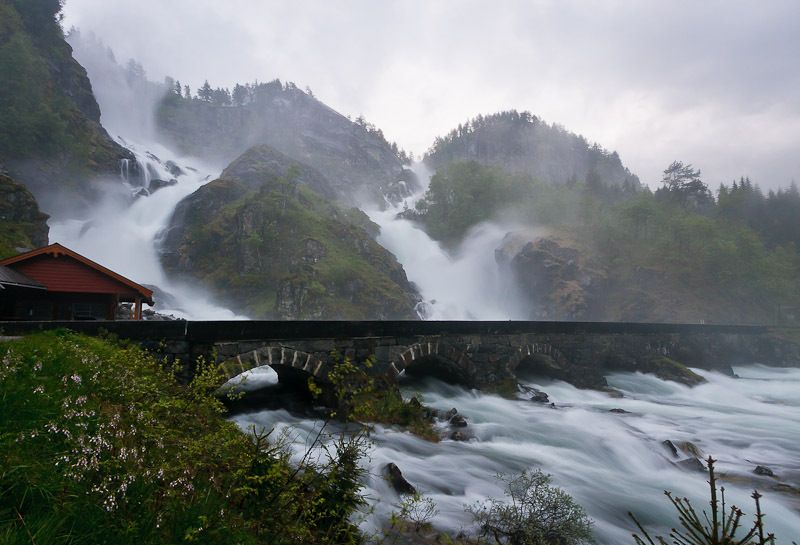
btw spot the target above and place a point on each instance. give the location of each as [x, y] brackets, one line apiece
[712, 84]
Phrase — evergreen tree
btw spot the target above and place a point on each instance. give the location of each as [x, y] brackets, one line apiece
[239, 95]
[205, 93]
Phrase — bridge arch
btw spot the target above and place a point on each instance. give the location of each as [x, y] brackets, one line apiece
[434, 358]
[543, 357]
[284, 360]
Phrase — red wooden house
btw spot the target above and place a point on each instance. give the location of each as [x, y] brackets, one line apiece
[55, 283]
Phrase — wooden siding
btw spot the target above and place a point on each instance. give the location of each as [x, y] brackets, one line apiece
[67, 275]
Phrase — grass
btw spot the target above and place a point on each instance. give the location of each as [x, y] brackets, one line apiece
[99, 444]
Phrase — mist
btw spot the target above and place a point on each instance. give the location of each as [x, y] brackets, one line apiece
[712, 84]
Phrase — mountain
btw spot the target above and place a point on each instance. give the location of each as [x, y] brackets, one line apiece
[521, 143]
[267, 240]
[50, 134]
[355, 156]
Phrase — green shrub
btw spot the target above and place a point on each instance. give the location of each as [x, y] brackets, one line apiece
[535, 513]
[98, 444]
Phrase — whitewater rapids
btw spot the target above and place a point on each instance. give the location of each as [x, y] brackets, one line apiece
[611, 463]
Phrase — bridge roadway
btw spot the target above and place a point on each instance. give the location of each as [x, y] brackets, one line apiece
[477, 354]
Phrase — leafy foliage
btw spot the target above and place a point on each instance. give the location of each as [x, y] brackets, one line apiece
[360, 396]
[536, 513]
[99, 445]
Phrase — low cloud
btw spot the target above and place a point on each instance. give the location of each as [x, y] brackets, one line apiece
[712, 83]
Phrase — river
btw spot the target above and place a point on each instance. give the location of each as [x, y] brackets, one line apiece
[611, 463]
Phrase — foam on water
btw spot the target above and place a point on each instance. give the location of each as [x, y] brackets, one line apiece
[610, 463]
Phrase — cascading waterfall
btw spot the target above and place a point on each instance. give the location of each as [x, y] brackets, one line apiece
[121, 231]
[465, 285]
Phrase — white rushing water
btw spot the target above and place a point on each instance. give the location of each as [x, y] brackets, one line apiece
[463, 285]
[121, 231]
[610, 463]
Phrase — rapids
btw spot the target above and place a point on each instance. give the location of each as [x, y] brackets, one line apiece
[610, 463]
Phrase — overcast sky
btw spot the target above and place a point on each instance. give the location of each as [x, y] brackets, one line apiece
[713, 83]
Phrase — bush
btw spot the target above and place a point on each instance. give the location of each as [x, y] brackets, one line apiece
[99, 444]
[535, 513]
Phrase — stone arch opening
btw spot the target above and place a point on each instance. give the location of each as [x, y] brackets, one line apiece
[293, 368]
[539, 359]
[538, 365]
[436, 360]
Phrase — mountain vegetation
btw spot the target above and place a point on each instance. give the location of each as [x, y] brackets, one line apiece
[22, 224]
[220, 125]
[521, 143]
[50, 134]
[619, 253]
[265, 238]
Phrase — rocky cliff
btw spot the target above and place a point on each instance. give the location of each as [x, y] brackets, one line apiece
[265, 238]
[561, 279]
[22, 224]
[355, 157]
[521, 143]
[50, 134]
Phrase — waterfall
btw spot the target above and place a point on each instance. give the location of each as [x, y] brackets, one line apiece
[466, 284]
[122, 229]
[124, 169]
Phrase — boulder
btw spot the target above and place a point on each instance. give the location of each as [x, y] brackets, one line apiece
[670, 446]
[691, 464]
[764, 471]
[395, 477]
[157, 184]
[458, 421]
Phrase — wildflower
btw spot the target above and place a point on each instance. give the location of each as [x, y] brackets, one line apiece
[39, 389]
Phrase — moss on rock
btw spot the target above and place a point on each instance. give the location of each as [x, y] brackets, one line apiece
[265, 241]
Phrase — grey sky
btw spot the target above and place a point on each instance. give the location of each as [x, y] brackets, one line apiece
[714, 83]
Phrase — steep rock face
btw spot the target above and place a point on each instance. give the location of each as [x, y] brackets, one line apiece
[357, 160]
[556, 280]
[22, 224]
[262, 164]
[261, 239]
[50, 132]
[521, 143]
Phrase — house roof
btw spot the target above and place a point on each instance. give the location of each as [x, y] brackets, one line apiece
[10, 277]
[57, 250]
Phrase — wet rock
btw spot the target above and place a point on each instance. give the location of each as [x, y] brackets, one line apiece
[619, 411]
[670, 446]
[691, 464]
[174, 169]
[397, 480]
[763, 470]
[458, 421]
[141, 192]
[447, 415]
[612, 392]
[155, 185]
[459, 435]
[690, 449]
[533, 394]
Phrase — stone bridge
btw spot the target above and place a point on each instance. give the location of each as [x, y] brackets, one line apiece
[483, 355]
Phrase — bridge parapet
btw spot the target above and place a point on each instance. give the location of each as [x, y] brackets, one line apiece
[476, 354]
